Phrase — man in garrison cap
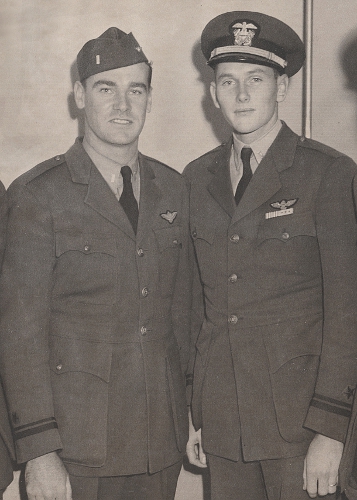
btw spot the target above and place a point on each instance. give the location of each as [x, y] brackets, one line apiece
[95, 299]
[274, 227]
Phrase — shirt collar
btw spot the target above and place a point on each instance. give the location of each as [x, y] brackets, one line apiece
[261, 145]
[107, 165]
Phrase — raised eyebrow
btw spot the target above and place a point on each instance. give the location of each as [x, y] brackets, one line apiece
[225, 75]
[139, 84]
[260, 71]
[109, 83]
[251, 72]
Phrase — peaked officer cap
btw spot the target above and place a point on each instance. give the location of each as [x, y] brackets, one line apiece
[252, 37]
[113, 49]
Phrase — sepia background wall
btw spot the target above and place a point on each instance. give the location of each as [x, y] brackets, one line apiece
[39, 40]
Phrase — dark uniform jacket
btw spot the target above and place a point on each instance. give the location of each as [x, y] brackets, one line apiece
[95, 321]
[276, 354]
[6, 443]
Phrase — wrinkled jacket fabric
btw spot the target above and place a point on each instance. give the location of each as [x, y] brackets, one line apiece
[276, 354]
[95, 320]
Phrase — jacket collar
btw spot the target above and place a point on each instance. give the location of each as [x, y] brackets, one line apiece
[220, 185]
[100, 197]
[265, 181]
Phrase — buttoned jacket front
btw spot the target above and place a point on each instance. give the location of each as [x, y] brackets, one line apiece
[96, 317]
[276, 352]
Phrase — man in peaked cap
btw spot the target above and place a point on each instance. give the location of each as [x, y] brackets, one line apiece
[96, 299]
[274, 227]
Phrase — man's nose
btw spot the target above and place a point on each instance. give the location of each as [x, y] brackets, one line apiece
[121, 102]
[243, 94]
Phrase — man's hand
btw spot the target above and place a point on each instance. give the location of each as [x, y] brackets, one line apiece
[47, 479]
[194, 449]
[321, 466]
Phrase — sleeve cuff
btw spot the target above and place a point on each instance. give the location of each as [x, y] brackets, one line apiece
[329, 417]
[36, 439]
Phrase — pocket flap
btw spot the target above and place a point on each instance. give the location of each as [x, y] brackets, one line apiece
[288, 226]
[203, 233]
[286, 341]
[73, 355]
[168, 237]
[85, 243]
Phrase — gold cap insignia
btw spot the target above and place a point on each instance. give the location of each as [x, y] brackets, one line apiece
[244, 32]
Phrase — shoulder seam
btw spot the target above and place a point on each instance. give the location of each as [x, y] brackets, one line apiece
[216, 149]
[160, 163]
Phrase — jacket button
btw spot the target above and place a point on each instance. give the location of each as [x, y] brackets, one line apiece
[233, 319]
[145, 291]
[59, 367]
[233, 278]
[285, 236]
[86, 248]
[58, 158]
[140, 252]
[234, 238]
[143, 330]
[194, 234]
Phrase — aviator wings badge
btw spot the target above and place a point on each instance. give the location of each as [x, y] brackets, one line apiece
[169, 216]
[284, 204]
[285, 207]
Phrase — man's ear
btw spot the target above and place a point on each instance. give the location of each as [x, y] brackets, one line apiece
[283, 84]
[79, 95]
[213, 90]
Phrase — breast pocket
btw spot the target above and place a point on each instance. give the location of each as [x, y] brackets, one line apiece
[86, 268]
[287, 252]
[169, 242]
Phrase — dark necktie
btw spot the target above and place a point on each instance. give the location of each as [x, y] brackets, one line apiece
[127, 198]
[245, 154]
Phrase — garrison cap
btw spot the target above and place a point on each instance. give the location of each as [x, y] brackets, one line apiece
[113, 49]
[252, 37]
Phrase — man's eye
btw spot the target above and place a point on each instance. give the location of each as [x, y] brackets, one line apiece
[227, 82]
[106, 90]
[256, 79]
[136, 91]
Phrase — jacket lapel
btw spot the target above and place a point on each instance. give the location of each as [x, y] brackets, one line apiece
[101, 199]
[220, 186]
[99, 195]
[266, 179]
[150, 195]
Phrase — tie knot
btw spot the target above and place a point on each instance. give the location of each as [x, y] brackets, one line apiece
[245, 154]
[126, 173]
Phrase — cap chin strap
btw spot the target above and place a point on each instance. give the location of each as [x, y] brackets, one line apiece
[245, 49]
